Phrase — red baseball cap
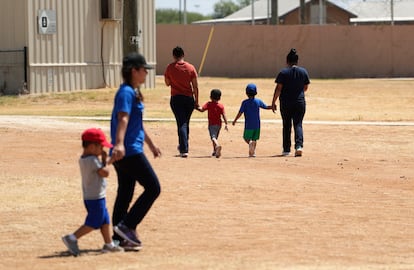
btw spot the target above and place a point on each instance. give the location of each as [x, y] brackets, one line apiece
[95, 135]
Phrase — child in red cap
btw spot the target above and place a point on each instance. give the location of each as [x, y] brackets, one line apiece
[93, 172]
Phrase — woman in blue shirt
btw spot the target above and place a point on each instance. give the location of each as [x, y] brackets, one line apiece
[131, 165]
[291, 84]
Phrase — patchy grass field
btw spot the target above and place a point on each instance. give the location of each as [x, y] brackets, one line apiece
[346, 204]
[348, 100]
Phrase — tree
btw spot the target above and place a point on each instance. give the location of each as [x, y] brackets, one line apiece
[172, 16]
[224, 8]
[244, 3]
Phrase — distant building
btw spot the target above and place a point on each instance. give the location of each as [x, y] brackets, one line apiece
[289, 13]
[382, 12]
[338, 12]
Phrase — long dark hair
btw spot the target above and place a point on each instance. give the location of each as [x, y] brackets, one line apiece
[127, 76]
[292, 57]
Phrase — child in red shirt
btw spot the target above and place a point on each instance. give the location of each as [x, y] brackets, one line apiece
[215, 113]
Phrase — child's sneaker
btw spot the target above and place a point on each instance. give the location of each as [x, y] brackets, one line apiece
[111, 248]
[71, 244]
[218, 151]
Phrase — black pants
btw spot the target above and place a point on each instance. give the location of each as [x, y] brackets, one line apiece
[130, 170]
[293, 112]
[182, 107]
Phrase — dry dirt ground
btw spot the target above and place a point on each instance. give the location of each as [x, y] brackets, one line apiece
[346, 204]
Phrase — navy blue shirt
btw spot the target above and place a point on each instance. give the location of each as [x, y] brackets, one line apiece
[293, 79]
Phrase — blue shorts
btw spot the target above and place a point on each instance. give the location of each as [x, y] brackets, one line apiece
[97, 213]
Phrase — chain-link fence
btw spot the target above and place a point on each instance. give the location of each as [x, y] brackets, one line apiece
[13, 72]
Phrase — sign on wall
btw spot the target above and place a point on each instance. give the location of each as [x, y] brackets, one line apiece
[46, 21]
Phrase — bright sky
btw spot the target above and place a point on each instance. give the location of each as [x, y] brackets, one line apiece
[205, 7]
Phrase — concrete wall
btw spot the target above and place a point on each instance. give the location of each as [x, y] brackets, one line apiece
[327, 51]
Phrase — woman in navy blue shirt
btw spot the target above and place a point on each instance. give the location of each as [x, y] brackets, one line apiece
[291, 84]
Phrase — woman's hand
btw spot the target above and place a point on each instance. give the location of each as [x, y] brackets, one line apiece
[155, 150]
[118, 153]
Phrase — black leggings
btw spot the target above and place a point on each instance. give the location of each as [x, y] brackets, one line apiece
[130, 170]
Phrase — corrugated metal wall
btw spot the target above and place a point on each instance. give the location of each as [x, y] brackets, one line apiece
[84, 52]
[146, 18]
[12, 41]
[70, 59]
[13, 24]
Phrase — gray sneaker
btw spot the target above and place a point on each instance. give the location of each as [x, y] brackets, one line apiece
[72, 245]
[111, 248]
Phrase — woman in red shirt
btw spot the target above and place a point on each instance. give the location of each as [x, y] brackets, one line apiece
[181, 76]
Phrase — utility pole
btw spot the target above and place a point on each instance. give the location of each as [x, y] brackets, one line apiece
[392, 12]
[179, 12]
[275, 15]
[185, 12]
[252, 1]
[130, 36]
[302, 12]
[321, 9]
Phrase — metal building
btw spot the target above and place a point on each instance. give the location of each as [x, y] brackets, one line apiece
[64, 45]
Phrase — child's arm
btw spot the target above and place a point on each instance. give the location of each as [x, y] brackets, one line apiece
[199, 108]
[225, 121]
[237, 117]
[103, 171]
